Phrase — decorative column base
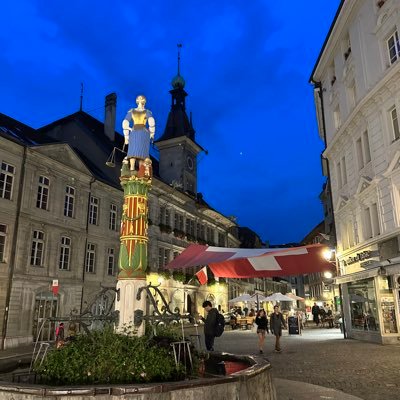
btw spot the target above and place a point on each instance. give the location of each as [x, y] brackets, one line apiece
[127, 304]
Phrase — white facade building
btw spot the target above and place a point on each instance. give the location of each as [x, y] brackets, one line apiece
[357, 96]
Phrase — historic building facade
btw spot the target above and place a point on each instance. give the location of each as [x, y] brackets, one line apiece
[60, 211]
[357, 96]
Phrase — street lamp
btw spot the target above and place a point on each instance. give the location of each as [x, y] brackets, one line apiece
[330, 256]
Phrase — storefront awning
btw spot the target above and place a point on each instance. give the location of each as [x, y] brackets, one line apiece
[226, 262]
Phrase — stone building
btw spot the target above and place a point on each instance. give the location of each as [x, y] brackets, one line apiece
[60, 210]
[357, 91]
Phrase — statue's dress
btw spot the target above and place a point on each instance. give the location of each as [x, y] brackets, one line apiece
[139, 136]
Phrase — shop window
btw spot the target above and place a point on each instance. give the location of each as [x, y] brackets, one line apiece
[387, 306]
[363, 307]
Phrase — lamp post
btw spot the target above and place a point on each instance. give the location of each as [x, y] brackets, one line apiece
[330, 255]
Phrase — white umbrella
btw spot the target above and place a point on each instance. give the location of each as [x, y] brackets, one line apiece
[278, 297]
[243, 297]
[294, 297]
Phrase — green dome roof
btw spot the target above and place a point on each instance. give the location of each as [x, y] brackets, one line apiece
[178, 82]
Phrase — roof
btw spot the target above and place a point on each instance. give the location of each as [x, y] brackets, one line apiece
[20, 133]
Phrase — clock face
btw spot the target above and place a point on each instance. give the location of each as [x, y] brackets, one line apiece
[190, 163]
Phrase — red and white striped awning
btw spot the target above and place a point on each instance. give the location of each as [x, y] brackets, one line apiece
[227, 262]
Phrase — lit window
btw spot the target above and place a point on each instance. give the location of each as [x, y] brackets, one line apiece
[6, 180]
[93, 210]
[113, 217]
[37, 248]
[43, 193]
[90, 257]
[69, 201]
[65, 253]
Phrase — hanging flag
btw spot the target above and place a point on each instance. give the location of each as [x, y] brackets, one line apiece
[54, 287]
[251, 263]
[202, 276]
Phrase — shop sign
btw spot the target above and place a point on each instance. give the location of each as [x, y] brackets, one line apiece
[364, 255]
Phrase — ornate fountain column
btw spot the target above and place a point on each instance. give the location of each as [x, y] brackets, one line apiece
[136, 184]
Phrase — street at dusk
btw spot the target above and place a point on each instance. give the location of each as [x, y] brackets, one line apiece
[200, 200]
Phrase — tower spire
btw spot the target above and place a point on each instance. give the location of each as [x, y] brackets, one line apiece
[179, 45]
[80, 105]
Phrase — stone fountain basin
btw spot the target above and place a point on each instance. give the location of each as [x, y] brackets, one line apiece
[253, 382]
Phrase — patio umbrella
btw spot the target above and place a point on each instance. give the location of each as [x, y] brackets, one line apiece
[294, 297]
[243, 297]
[278, 297]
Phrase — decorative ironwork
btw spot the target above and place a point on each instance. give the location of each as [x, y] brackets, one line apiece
[163, 314]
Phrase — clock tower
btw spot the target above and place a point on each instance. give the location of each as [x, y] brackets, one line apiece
[177, 145]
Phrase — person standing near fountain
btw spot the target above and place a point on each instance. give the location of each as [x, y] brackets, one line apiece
[209, 325]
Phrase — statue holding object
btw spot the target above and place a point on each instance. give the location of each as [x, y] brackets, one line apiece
[138, 136]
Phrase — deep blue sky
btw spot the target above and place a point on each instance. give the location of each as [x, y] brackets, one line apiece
[246, 66]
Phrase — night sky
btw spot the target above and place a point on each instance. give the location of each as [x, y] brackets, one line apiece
[246, 66]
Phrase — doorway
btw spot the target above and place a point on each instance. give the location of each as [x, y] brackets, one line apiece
[46, 306]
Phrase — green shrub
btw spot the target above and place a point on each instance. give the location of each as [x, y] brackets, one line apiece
[109, 357]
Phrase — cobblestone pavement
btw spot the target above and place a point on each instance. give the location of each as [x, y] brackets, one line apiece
[322, 357]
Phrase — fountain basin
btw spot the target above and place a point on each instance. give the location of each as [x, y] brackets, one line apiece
[253, 382]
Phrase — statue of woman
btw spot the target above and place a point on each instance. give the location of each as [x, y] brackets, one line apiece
[138, 136]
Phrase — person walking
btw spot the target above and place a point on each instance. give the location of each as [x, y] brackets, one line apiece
[262, 327]
[209, 325]
[276, 323]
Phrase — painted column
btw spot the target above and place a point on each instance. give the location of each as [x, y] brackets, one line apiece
[136, 184]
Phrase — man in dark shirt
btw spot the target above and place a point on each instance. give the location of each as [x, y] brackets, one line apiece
[209, 325]
[276, 323]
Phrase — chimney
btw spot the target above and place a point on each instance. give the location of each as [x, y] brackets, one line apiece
[109, 120]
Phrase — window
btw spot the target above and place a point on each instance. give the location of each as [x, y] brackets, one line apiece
[37, 249]
[178, 221]
[339, 175]
[93, 210]
[43, 193]
[336, 117]
[344, 171]
[360, 157]
[69, 201]
[65, 253]
[210, 235]
[163, 257]
[395, 123]
[110, 261]
[90, 258]
[6, 180]
[165, 217]
[351, 95]
[393, 47]
[221, 239]
[112, 224]
[371, 221]
[363, 307]
[366, 148]
[3, 236]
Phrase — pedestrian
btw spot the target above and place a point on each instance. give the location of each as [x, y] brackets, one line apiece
[60, 335]
[276, 323]
[315, 312]
[262, 327]
[209, 325]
